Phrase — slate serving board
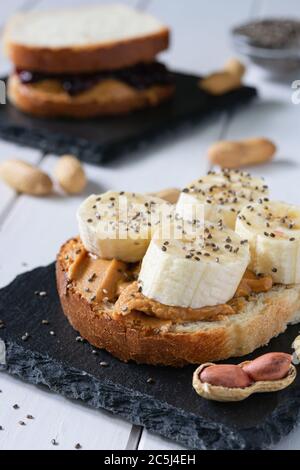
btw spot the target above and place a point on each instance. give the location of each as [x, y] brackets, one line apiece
[168, 406]
[99, 140]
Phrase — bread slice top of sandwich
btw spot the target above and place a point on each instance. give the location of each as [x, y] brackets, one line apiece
[83, 39]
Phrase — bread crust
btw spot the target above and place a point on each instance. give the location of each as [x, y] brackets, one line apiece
[118, 98]
[261, 319]
[108, 56]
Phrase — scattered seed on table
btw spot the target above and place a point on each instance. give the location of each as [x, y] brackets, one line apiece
[25, 337]
[45, 322]
[52, 333]
[16, 406]
[54, 442]
[79, 339]
[42, 293]
[150, 381]
[104, 364]
[78, 446]
[30, 417]
[22, 423]
[94, 351]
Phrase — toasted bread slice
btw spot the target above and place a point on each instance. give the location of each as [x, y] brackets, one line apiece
[109, 97]
[83, 39]
[144, 339]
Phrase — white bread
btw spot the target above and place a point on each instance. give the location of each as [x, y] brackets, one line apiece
[145, 339]
[83, 39]
[109, 97]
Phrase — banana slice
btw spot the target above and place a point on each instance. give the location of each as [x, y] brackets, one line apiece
[222, 195]
[194, 271]
[119, 224]
[273, 231]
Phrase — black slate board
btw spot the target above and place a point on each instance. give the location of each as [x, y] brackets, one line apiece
[102, 139]
[169, 406]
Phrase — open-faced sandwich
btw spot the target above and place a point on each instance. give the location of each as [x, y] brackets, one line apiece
[87, 61]
[152, 282]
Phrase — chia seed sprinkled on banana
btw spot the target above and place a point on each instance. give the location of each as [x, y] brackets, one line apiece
[223, 194]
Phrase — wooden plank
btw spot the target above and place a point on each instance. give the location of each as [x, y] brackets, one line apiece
[151, 441]
[55, 417]
[287, 9]
[71, 3]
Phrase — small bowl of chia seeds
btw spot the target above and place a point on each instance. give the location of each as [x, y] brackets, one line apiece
[272, 43]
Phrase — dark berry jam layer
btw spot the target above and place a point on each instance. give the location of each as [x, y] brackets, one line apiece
[140, 76]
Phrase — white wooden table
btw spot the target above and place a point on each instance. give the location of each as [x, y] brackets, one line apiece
[32, 229]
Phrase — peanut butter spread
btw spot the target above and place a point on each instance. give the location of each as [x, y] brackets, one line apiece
[131, 299]
[101, 92]
[113, 285]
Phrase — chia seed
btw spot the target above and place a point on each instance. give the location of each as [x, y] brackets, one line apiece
[271, 33]
[104, 364]
[150, 381]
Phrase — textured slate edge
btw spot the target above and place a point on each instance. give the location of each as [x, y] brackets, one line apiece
[88, 151]
[57, 143]
[96, 153]
[190, 430]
